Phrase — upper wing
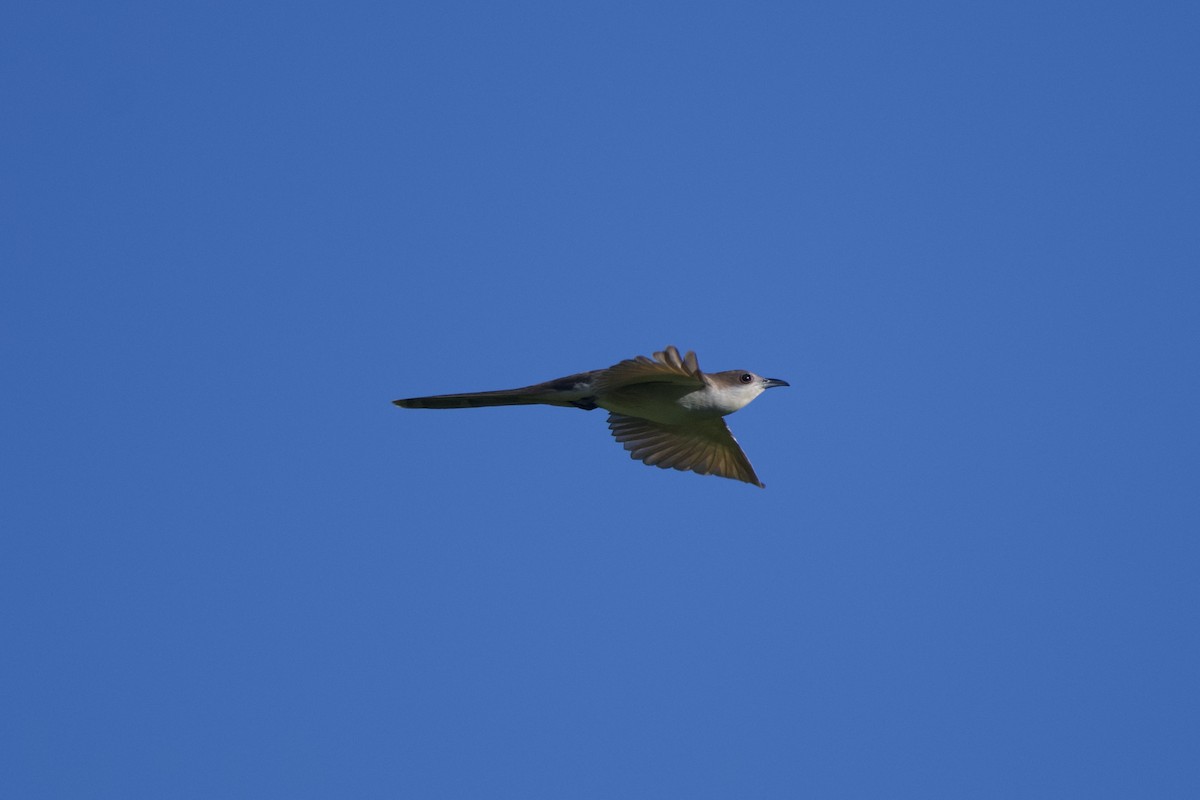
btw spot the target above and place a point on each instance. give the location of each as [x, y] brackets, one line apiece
[665, 367]
[705, 446]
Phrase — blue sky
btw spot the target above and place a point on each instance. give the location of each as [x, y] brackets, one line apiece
[966, 234]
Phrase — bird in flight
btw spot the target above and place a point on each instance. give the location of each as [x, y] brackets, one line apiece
[664, 410]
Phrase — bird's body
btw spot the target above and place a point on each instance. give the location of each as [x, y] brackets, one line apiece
[665, 410]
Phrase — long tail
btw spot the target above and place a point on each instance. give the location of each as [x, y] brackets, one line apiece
[506, 397]
[572, 391]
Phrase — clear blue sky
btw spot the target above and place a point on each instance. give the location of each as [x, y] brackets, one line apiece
[965, 233]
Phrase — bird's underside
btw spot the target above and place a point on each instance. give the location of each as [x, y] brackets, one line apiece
[656, 407]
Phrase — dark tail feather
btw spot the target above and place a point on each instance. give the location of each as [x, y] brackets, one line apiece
[510, 397]
[571, 391]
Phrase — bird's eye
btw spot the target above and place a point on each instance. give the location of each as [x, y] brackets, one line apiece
[746, 377]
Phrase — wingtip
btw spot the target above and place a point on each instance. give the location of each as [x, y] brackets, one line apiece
[688, 361]
[668, 356]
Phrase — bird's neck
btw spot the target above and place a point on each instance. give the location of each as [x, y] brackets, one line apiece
[717, 398]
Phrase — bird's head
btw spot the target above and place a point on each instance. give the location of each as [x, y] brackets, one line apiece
[737, 387]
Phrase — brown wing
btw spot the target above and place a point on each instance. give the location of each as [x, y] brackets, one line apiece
[705, 446]
[666, 367]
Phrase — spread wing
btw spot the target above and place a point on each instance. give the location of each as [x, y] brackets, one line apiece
[666, 367]
[705, 446]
